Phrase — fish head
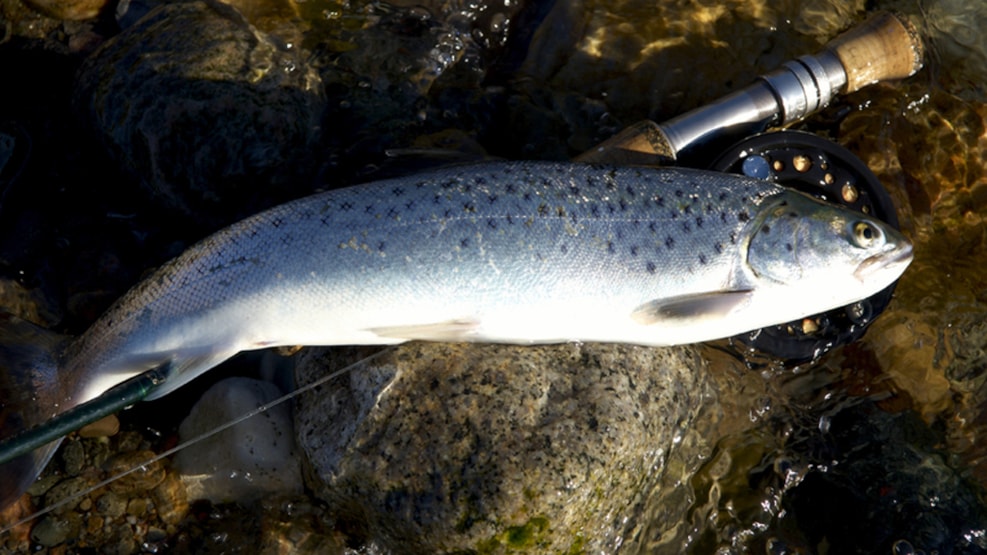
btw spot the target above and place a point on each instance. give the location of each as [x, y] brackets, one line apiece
[832, 255]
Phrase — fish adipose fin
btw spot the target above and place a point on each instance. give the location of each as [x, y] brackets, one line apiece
[29, 391]
[451, 331]
[693, 308]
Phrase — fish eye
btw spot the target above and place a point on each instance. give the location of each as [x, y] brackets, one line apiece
[866, 235]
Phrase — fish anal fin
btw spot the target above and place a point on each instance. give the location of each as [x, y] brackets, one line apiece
[451, 330]
[702, 306]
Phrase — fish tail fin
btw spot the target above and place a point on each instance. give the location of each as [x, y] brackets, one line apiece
[30, 394]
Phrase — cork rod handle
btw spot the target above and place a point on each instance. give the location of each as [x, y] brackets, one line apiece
[885, 47]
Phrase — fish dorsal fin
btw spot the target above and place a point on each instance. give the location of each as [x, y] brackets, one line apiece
[452, 330]
[698, 307]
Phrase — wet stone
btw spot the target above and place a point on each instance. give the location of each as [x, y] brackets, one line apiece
[54, 530]
[202, 108]
[145, 475]
[111, 505]
[68, 489]
[73, 457]
[437, 447]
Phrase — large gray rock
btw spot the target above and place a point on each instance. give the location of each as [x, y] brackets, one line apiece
[439, 448]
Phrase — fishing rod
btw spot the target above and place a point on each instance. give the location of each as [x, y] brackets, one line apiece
[109, 402]
[885, 47]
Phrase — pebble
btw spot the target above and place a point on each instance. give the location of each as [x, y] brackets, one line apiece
[104, 427]
[53, 529]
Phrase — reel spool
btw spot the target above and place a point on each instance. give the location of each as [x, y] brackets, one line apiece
[831, 173]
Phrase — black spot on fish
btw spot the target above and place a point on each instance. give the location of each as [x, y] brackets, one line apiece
[651, 267]
[743, 216]
[448, 184]
[560, 211]
[542, 209]
[653, 227]
[610, 247]
[480, 180]
[346, 206]
[491, 198]
[573, 190]
[324, 219]
[686, 226]
[723, 216]
[492, 224]
[469, 207]
[630, 190]
[634, 250]
[733, 237]
[448, 213]
[564, 248]
[594, 211]
[679, 193]
[722, 196]
[789, 247]
[710, 209]
[793, 215]
[673, 214]
[659, 202]
[765, 229]
[397, 191]
[277, 222]
[392, 213]
[437, 199]
[669, 242]
[464, 243]
[380, 246]
[718, 248]
[409, 205]
[510, 188]
[699, 222]
[368, 209]
[623, 205]
[687, 209]
[526, 196]
[702, 259]
[509, 219]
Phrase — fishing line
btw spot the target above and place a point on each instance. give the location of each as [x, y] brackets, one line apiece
[197, 439]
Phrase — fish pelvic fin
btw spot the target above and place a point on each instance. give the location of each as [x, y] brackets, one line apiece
[30, 394]
[691, 308]
[450, 331]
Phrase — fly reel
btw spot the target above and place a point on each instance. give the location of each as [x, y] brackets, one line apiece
[831, 173]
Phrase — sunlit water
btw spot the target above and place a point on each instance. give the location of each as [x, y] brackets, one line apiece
[879, 446]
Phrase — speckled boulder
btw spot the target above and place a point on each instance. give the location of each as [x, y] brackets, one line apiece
[204, 108]
[447, 448]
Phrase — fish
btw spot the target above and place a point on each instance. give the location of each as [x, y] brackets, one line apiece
[517, 252]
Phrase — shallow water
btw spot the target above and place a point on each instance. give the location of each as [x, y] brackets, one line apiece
[878, 447]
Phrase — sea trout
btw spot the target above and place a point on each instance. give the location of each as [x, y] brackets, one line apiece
[508, 252]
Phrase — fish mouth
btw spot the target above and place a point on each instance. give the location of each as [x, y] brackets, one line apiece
[899, 257]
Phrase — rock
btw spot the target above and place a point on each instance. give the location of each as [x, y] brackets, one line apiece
[448, 448]
[69, 9]
[204, 108]
[247, 461]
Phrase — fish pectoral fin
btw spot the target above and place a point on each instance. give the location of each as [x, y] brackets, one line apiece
[452, 330]
[701, 306]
